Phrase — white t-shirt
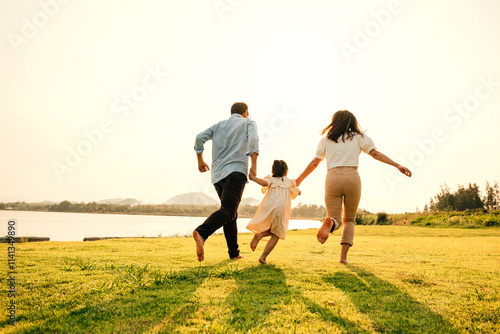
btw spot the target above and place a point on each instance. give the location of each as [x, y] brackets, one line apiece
[344, 154]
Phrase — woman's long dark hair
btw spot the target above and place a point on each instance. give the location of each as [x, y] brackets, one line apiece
[344, 125]
[279, 168]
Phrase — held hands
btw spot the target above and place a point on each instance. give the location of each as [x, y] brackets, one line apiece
[252, 173]
[404, 170]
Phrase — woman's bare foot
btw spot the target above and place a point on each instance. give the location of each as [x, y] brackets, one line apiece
[255, 241]
[199, 245]
[263, 261]
[237, 257]
[324, 230]
[343, 253]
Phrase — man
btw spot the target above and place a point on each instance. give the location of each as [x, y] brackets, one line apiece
[234, 140]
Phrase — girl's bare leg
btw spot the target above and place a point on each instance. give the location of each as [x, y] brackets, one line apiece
[257, 237]
[269, 247]
[343, 253]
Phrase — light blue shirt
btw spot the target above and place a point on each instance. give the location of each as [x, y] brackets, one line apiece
[234, 139]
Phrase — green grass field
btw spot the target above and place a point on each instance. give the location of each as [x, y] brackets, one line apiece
[402, 279]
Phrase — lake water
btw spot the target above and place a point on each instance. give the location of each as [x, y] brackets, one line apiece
[61, 226]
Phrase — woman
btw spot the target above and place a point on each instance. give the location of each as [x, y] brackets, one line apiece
[341, 146]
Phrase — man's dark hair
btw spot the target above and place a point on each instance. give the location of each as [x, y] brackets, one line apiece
[239, 108]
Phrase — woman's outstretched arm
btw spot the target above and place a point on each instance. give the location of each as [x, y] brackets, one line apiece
[312, 166]
[384, 158]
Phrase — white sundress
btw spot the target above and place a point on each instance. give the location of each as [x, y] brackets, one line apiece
[274, 210]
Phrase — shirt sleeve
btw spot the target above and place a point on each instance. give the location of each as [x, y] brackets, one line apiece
[269, 181]
[294, 190]
[366, 144]
[253, 138]
[321, 150]
[202, 138]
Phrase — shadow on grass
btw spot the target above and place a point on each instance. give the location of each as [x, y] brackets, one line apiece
[390, 309]
[260, 290]
[172, 303]
[134, 310]
[263, 290]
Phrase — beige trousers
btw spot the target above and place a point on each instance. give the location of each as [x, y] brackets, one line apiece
[343, 187]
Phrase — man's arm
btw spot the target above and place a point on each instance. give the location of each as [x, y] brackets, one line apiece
[253, 146]
[253, 167]
[202, 165]
[199, 143]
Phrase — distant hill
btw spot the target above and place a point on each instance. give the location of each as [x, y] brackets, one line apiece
[120, 201]
[192, 199]
[48, 202]
[250, 201]
[203, 199]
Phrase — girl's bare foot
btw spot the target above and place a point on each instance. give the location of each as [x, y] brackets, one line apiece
[324, 230]
[255, 241]
[263, 261]
[199, 245]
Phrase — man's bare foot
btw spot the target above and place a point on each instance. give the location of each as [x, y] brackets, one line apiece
[237, 257]
[324, 230]
[199, 245]
[344, 261]
[255, 241]
[262, 261]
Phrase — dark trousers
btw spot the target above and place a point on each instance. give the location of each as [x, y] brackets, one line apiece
[230, 190]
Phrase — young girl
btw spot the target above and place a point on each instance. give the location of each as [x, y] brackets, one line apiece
[273, 214]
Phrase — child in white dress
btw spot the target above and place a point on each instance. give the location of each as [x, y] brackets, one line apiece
[273, 214]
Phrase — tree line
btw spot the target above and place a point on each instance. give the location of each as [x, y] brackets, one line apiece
[463, 199]
[466, 198]
[93, 207]
[301, 211]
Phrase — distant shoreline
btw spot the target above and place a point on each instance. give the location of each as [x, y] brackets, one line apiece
[301, 211]
[150, 214]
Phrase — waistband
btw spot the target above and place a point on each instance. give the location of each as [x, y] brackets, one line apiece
[343, 167]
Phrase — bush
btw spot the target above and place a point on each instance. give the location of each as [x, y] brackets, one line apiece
[382, 218]
[493, 220]
[359, 219]
[364, 217]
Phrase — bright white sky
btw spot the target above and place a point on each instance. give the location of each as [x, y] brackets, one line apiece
[423, 78]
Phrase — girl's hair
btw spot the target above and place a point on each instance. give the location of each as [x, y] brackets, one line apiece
[279, 168]
[344, 125]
